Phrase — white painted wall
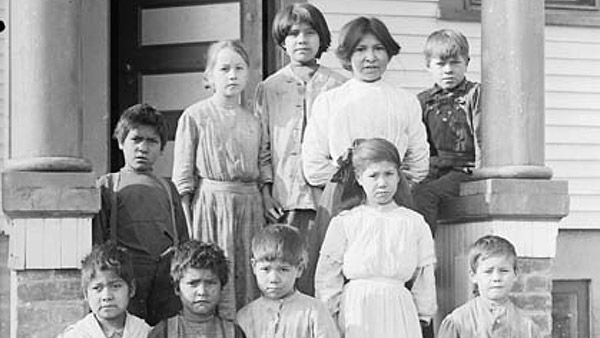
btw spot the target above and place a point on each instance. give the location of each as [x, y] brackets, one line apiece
[572, 86]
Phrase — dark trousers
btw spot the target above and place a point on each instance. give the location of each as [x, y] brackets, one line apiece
[429, 194]
[154, 298]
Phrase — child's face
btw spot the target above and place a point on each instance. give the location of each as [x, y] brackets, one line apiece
[200, 293]
[229, 74]
[495, 277]
[302, 43]
[108, 296]
[379, 180]
[141, 148]
[275, 279]
[369, 59]
[448, 73]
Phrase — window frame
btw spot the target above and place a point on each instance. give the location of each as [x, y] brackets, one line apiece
[557, 12]
[580, 290]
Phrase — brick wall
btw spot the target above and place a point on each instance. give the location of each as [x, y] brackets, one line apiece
[48, 301]
[532, 291]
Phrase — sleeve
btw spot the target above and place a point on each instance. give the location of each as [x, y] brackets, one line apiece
[448, 329]
[261, 110]
[324, 326]
[101, 221]
[476, 111]
[423, 289]
[329, 279]
[424, 293]
[316, 159]
[416, 159]
[184, 158]
[180, 222]
[242, 319]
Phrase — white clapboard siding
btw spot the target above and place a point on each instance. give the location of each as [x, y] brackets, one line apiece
[572, 82]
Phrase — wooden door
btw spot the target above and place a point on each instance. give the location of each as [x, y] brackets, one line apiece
[159, 50]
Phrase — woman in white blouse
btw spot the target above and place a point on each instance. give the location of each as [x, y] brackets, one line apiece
[364, 107]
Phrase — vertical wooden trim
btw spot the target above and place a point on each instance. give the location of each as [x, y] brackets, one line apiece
[251, 36]
[16, 245]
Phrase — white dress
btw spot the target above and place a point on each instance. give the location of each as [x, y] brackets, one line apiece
[378, 252]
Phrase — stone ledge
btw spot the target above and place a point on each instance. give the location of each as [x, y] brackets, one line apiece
[508, 199]
[29, 194]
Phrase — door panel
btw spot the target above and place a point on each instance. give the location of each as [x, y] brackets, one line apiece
[187, 24]
[159, 54]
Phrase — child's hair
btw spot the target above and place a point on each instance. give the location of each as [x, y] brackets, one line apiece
[279, 242]
[297, 13]
[353, 31]
[107, 257]
[141, 114]
[489, 246]
[213, 52]
[446, 44]
[197, 255]
[374, 150]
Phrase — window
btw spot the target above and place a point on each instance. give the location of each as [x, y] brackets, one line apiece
[570, 309]
[558, 12]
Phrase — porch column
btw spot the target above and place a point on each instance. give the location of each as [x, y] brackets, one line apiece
[513, 196]
[48, 189]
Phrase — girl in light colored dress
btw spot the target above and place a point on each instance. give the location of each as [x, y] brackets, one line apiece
[372, 250]
[216, 170]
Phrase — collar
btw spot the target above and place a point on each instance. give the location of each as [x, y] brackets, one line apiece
[461, 87]
[279, 302]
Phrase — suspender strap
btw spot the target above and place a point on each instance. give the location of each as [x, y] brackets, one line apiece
[113, 181]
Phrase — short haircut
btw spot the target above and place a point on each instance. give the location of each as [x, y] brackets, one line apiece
[355, 30]
[372, 151]
[198, 255]
[141, 114]
[213, 52]
[446, 44]
[491, 246]
[279, 242]
[107, 257]
[297, 13]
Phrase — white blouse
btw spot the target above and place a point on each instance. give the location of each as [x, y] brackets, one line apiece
[360, 109]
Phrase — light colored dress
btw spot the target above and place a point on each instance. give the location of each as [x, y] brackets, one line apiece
[216, 160]
[360, 109]
[378, 252]
[479, 318]
[295, 316]
[284, 103]
[89, 327]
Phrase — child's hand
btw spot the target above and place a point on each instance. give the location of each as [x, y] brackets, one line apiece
[272, 209]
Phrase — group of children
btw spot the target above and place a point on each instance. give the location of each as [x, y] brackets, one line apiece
[350, 175]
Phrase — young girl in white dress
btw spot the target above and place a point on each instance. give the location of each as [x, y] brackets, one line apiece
[372, 250]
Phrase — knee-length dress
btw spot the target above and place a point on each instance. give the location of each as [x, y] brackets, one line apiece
[216, 160]
[377, 252]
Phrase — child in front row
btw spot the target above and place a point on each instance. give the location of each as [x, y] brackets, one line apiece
[283, 102]
[278, 259]
[199, 272]
[493, 270]
[108, 285]
[451, 114]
